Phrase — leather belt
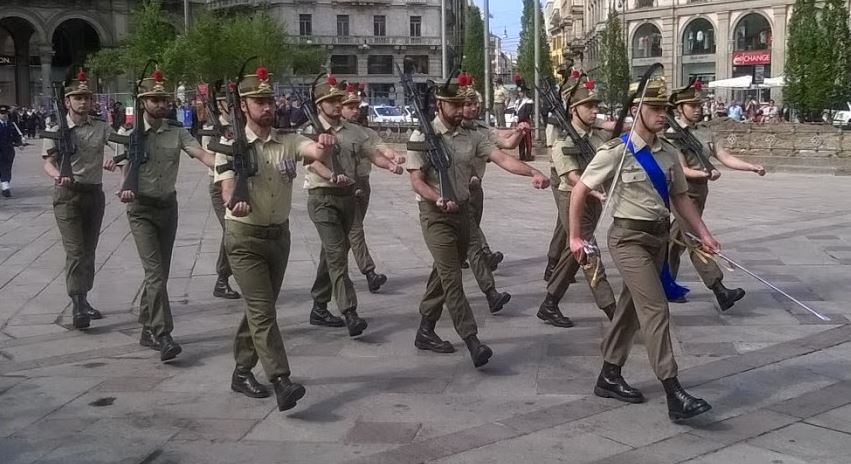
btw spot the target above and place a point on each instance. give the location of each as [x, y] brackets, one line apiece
[650, 227]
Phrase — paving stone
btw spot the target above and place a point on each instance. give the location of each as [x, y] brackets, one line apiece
[743, 427]
[838, 419]
[816, 402]
[808, 443]
[18, 451]
[214, 429]
[710, 349]
[671, 450]
[745, 453]
[382, 432]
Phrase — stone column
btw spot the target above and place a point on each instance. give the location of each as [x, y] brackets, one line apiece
[778, 49]
[46, 54]
[669, 50]
[723, 69]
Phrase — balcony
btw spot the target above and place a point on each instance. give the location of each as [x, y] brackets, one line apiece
[369, 40]
[361, 2]
[219, 4]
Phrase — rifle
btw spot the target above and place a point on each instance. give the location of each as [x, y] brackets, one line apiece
[136, 153]
[65, 148]
[563, 119]
[243, 162]
[685, 140]
[435, 148]
[211, 104]
[308, 105]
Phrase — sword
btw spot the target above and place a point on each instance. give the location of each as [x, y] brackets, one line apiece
[769, 284]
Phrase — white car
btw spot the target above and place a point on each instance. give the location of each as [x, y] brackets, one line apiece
[842, 118]
[382, 114]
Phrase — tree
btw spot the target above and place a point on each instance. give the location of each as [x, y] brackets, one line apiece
[835, 27]
[474, 53]
[807, 69]
[615, 67]
[526, 50]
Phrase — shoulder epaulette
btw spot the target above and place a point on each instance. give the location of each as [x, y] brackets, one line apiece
[611, 144]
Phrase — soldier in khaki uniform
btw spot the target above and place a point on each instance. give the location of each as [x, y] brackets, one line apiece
[152, 212]
[568, 165]
[689, 103]
[222, 287]
[78, 201]
[446, 222]
[363, 191]
[331, 206]
[638, 242]
[257, 238]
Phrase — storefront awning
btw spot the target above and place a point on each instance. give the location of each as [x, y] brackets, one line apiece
[741, 82]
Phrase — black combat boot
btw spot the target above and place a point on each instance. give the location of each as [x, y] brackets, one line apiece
[287, 392]
[548, 271]
[551, 314]
[610, 310]
[428, 340]
[223, 290]
[681, 405]
[355, 324]
[320, 315]
[147, 339]
[243, 381]
[496, 300]
[610, 384]
[375, 281]
[726, 297]
[494, 259]
[169, 349]
[79, 315]
[479, 352]
[93, 313]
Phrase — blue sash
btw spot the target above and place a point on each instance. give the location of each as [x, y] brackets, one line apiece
[673, 290]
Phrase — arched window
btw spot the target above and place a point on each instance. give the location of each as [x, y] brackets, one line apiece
[752, 33]
[699, 38]
[73, 41]
[647, 42]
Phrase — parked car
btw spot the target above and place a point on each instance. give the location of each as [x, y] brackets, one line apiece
[382, 114]
[842, 118]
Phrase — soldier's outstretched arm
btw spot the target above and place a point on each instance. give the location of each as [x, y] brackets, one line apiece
[733, 162]
[515, 166]
[321, 149]
[383, 162]
[204, 156]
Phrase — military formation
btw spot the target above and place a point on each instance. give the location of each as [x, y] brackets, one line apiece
[652, 178]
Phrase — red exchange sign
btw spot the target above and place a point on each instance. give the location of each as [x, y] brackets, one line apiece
[757, 57]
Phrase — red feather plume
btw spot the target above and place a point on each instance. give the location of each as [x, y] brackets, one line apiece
[350, 87]
[575, 73]
[698, 85]
[463, 80]
[590, 84]
[157, 75]
[81, 75]
[232, 85]
[262, 73]
[332, 81]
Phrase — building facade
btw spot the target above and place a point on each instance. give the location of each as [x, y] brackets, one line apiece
[565, 31]
[705, 39]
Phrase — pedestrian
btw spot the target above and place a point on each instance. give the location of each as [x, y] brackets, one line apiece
[152, 209]
[331, 207]
[10, 138]
[500, 97]
[582, 103]
[446, 222]
[525, 113]
[687, 102]
[258, 238]
[118, 116]
[78, 199]
[650, 181]
[735, 111]
[772, 113]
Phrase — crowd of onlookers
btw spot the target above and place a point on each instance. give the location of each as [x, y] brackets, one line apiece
[751, 111]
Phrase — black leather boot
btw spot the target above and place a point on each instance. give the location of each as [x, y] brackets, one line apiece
[610, 384]
[355, 324]
[93, 313]
[681, 405]
[243, 381]
[169, 349]
[223, 290]
[496, 300]
[428, 340]
[79, 315]
[320, 315]
[375, 281]
[147, 339]
[479, 352]
[610, 310]
[548, 271]
[286, 392]
[551, 314]
[494, 259]
[727, 297]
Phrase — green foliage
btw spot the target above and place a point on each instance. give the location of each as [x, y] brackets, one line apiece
[835, 25]
[615, 66]
[526, 50]
[474, 52]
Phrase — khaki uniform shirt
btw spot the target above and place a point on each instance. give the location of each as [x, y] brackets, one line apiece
[91, 137]
[500, 95]
[480, 164]
[565, 155]
[205, 139]
[353, 150]
[158, 176]
[466, 148]
[634, 196]
[270, 189]
[372, 141]
[704, 135]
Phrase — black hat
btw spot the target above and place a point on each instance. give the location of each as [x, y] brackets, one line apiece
[4, 109]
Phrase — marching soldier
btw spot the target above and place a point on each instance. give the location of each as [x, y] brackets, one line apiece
[351, 114]
[331, 206]
[152, 212]
[650, 182]
[688, 102]
[10, 137]
[257, 238]
[222, 288]
[582, 105]
[78, 200]
[446, 222]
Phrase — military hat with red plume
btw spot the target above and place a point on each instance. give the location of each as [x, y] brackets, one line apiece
[584, 93]
[257, 85]
[325, 87]
[692, 93]
[154, 86]
[352, 94]
[76, 84]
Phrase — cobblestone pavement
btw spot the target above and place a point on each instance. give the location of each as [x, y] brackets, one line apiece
[778, 378]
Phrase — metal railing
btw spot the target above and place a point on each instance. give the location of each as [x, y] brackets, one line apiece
[370, 40]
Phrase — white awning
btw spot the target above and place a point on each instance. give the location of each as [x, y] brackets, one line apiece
[741, 82]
